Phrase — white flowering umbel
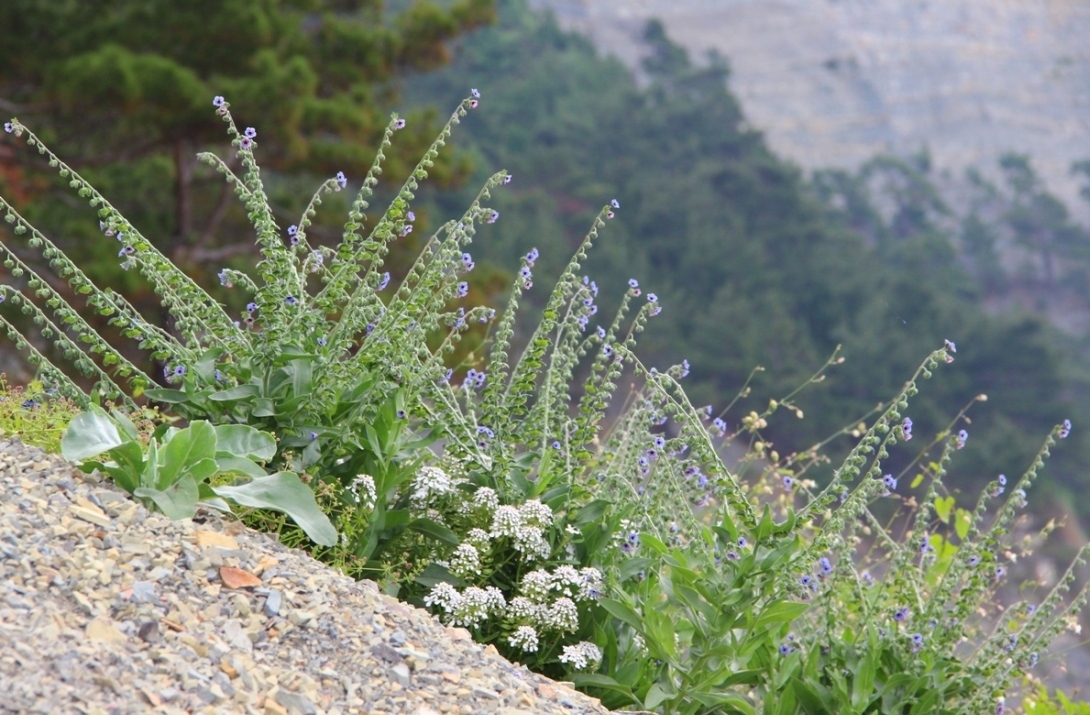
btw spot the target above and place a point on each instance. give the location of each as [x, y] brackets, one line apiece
[547, 601]
[362, 490]
[525, 525]
[582, 655]
[524, 638]
[469, 608]
[465, 562]
[430, 482]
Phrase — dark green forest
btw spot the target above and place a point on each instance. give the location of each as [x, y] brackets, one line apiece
[755, 263]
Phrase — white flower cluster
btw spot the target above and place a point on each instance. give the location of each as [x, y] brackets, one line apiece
[547, 600]
[430, 482]
[480, 538]
[582, 655]
[465, 561]
[468, 608]
[525, 525]
[525, 638]
[367, 484]
[484, 499]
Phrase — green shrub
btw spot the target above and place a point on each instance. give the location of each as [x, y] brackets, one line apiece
[623, 553]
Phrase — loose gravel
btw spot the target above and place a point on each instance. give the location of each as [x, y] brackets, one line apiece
[106, 608]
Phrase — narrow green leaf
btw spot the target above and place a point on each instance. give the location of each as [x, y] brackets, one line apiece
[177, 501]
[284, 492]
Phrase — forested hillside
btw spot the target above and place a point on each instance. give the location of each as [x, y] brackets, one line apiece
[753, 264]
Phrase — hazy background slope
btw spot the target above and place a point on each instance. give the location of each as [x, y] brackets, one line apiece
[834, 82]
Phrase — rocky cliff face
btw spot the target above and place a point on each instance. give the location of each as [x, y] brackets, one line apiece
[833, 82]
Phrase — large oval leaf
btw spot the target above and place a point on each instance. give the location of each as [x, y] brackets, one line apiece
[89, 435]
[245, 441]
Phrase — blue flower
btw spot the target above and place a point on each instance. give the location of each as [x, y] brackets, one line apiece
[401, 414]
[341, 179]
[321, 342]
[493, 217]
[217, 375]
[475, 93]
[250, 133]
[467, 260]
[246, 142]
[901, 614]
[507, 179]
[825, 565]
[1064, 430]
[532, 255]
[526, 273]
[291, 300]
[607, 351]
[786, 649]
[292, 230]
[410, 216]
[556, 444]
[633, 283]
[974, 560]
[652, 298]
[486, 431]
[29, 404]
[251, 307]
[614, 204]
[601, 333]
[384, 281]
[179, 371]
[950, 346]
[788, 482]
[660, 441]
[313, 436]
[218, 101]
[890, 482]
[742, 543]
[463, 289]
[225, 279]
[963, 436]
[399, 124]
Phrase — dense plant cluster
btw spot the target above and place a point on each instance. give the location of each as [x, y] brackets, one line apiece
[624, 553]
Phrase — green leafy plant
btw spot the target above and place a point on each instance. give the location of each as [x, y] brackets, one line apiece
[174, 470]
[34, 415]
[625, 553]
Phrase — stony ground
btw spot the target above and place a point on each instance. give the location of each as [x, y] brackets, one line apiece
[107, 608]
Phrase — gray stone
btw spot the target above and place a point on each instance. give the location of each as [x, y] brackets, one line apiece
[235, 636]
[400, 674]
[295, 703]
[272, 603]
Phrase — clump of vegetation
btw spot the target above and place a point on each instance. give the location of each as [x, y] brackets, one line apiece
[34, 415]
[623, 554]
